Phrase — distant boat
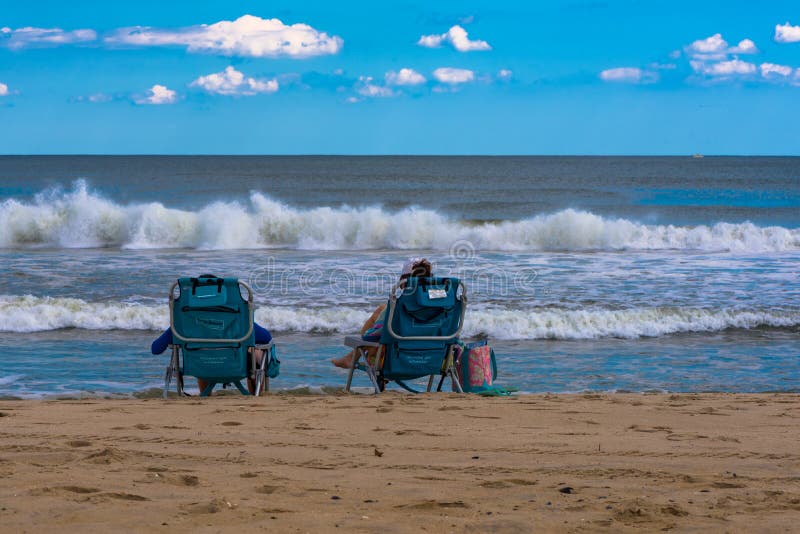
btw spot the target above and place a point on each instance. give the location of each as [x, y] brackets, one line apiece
[697, 156]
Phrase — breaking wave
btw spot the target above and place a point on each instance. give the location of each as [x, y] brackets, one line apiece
[80, 218]
[32, 314]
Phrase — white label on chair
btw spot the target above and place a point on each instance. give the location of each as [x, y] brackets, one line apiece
[437, 293]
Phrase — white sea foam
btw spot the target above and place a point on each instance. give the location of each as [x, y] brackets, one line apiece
[10, 379]
[32, 314]
[80, 218]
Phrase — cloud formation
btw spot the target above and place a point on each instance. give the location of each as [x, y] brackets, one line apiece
[745, 46]
[458, 39]
[404, 77]
[38, 37]
[628, 75]
[771, 69]
[786, 33]
[96, 98]
[248, 36]
[715, 48]
[728, 68]
[157, 95]
[3, 89]
[453, 76]
[714, 58]
[368, 89]
[231, 82]
[504, 74]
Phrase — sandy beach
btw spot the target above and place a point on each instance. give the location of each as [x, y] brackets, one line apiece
[402, 463]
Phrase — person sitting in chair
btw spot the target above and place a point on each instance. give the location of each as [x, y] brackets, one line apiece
[262, 337]
[417, 267]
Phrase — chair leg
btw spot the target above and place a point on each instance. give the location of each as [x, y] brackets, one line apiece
[241, 388]
[208, 389]
[353, 364]
[456, 381]
[430, 383]
[172, 369]
[167, 380]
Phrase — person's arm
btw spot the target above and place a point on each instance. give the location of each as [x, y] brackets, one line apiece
[262, 334]
[163, 341]
[372, 318]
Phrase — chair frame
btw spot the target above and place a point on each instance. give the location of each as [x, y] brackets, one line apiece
[255, 372]
[373, 369]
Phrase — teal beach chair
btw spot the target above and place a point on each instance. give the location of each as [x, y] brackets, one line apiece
[422, 326]
[213, 336]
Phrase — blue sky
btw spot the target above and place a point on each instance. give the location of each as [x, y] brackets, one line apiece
[570, 77]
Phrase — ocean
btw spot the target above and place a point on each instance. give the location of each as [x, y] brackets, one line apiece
[585, 273]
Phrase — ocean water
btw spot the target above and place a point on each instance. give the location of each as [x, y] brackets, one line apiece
[585, 273]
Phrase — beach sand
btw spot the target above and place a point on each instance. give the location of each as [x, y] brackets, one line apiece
[403, 463]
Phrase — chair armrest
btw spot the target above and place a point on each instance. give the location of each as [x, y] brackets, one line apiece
[356, 341]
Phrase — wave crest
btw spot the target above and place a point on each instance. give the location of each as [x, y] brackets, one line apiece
[35, 314]
[80, 218]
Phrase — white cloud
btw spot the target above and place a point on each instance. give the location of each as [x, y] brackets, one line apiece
[628, 75]
[98, 97]
[772, 70]
[453, 76]
[505, 74]
[715, 48]
[713, 57]
[232, 82]
[745, 46]
[787, 33]
[404, 77]
[158, 94]
[3, 89]
[724, 69]
[370, 90]
[246, 36]
[457, 37]
[29, 36]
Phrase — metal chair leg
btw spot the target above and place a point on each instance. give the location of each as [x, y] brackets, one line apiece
[356, 357]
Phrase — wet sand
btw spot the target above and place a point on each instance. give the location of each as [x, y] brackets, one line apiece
[402, 463]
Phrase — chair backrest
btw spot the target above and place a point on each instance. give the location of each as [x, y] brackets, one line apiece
[213, 324]
[422, 321]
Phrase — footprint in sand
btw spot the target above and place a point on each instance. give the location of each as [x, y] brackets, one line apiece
[79, 443]
[106, 456]
[78, 489]
[188, 480]
[231, 423]
[495, 484]
[125, 496]
[212, 507]
[433, 505]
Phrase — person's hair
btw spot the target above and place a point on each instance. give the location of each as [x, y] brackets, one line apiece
[420, 269]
